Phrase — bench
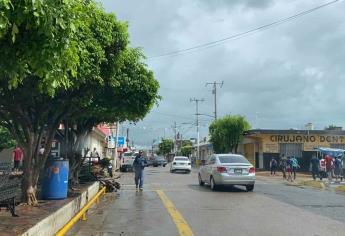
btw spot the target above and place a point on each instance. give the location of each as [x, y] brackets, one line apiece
[8, 188]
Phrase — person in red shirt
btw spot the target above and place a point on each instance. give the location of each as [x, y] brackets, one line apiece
[17, 157]
[329, 166]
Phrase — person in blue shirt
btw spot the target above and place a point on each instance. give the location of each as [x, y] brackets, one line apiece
[294, 165]
[138, 166]
[337, 168]
[315, 166]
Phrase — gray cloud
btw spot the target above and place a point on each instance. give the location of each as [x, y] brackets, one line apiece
[280, 78]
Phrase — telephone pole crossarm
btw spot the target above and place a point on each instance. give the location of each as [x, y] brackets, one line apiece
[214, 92]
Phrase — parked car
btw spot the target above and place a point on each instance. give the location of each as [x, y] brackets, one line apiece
[228, 170]
[159, 161]
[181, 163]
[149, 162]
[127, 161]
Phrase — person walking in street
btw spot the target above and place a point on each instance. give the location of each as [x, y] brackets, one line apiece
[337, 168]
[295, 166]
[283, 161]
[315, 166]
[329, 167]
[138, 166]
[17, 158]
[273, 166]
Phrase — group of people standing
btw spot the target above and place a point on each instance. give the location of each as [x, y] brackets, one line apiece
[288, 166]
[328, 166]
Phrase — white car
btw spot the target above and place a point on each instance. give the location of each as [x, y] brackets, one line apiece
[181, 163]
[228, 170]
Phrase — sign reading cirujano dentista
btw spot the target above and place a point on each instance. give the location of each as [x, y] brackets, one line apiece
[296, 138]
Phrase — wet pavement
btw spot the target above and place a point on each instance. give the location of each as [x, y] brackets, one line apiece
[272, 209]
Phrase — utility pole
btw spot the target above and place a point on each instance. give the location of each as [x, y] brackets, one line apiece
[197, 123]
[127, 138]
[175, 136]
[214, 92]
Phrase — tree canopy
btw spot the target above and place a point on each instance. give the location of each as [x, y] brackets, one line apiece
[66, 60]
[6, 139]
[226, 133]
[165, 146]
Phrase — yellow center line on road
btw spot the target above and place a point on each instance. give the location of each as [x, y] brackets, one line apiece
[181, 224]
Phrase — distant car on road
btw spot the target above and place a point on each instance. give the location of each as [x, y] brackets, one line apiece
[181, 163]
[159, 161]
[228, 170]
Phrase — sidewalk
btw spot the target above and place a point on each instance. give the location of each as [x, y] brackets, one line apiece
[304, 179]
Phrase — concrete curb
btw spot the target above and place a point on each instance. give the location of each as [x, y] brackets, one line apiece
[55, 221]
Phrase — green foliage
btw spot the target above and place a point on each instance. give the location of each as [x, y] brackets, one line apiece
[186, 150]
[6, 139]
[226, 133]
[39, 37]
[165, 146]
[66, 60]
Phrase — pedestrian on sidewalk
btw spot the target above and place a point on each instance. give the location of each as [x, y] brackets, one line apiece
[315, 166]
[329, 167]
[283, 161]
[342, 168]
[273, 166]
[17, 158]
[289, 169]
[337, 168]
[295, 166]
[322, 171]
[138, 166]
[95, 156]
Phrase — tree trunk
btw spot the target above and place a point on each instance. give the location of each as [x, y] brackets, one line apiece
[33, 163]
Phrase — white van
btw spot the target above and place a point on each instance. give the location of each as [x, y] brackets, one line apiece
[127, 161]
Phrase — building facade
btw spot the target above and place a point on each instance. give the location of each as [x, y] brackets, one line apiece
[261, 145]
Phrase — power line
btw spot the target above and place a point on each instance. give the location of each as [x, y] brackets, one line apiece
[243, 34]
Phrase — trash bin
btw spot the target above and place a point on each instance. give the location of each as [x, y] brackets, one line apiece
[55, 179]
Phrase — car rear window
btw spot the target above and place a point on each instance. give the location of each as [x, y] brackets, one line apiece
[181, 159]
[233, 159]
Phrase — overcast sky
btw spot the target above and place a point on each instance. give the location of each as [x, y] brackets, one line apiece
[280, 78]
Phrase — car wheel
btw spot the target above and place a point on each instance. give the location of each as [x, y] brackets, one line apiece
[163, 165]
[250, 188]
[213, 184]
[201, 183]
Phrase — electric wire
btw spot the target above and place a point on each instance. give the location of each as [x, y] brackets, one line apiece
[243, 34]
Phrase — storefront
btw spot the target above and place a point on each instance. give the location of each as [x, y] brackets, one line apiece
[263, 145]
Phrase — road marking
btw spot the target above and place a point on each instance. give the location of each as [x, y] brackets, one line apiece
[181, 224]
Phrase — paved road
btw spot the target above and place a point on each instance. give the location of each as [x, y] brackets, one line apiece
[272, 209]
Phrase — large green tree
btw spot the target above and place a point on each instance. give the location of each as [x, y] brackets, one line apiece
[165, 146]
[57, 58]
[6, 139]
[226, 133]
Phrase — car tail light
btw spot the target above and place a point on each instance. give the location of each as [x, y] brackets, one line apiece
[251, 170]
[221, 169]
[174, 163]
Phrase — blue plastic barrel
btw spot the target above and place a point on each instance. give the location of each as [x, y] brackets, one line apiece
[55, 179]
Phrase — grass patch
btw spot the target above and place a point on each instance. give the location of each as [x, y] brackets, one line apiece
[340, 188]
